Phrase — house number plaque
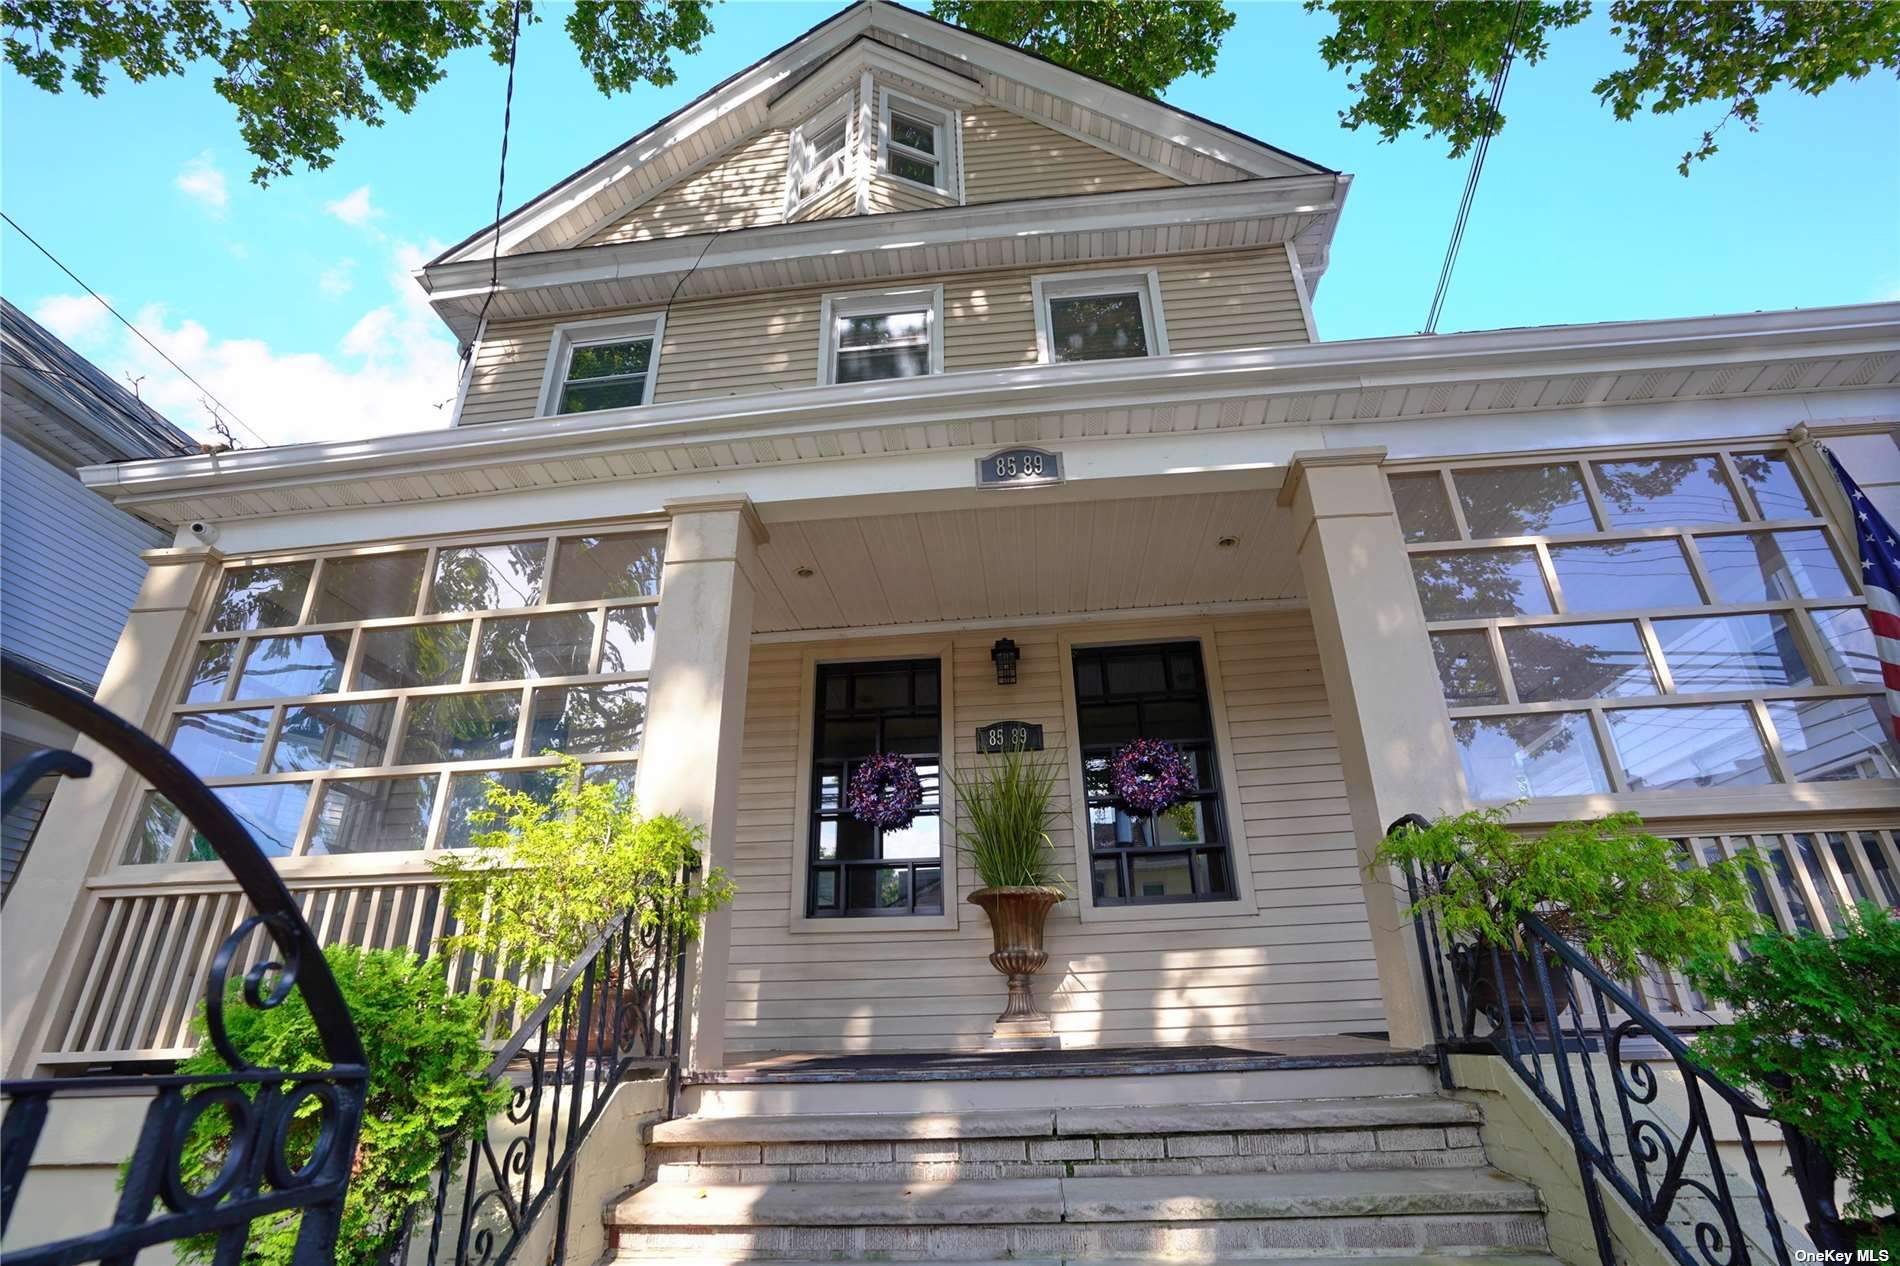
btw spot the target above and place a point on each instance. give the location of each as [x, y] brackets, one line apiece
[1003, 736]
[1019, 468]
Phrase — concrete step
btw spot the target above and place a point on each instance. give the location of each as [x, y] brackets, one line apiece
[1224, 1217]
[1405, 1132]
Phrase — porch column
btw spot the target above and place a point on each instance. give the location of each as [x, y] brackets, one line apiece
[689, 759]
[1382, 685]
[46, 912]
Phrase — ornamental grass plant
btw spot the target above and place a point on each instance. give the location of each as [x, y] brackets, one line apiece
[1004, 822]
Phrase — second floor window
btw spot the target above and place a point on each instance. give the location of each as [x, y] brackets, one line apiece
[606, 375]
[1098, 316]
[882, 334]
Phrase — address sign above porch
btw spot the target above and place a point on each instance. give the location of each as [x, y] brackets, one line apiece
[1019, 468]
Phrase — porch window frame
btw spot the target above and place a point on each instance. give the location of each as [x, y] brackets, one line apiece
[1145, 283]
[879, 302]
[799, 920]
[1784, 792]
[570, 335]
[948, 123]
[1244, 903]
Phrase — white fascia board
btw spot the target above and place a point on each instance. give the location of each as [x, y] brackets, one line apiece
[1137, 112]
[792, 107]
[1096, 212]
[1411, 359]
[752, 85]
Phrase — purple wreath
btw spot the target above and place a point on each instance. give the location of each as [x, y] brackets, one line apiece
[1148, 775]
[885, 791]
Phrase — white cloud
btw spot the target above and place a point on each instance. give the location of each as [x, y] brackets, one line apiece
[338, 279]
[201, 179]
[354, 208]
[75, 318]
[385, 376]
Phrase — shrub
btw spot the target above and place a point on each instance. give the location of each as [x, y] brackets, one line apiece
[425, 1063]
[1005, 823]
[1816, 1033]
[1608, 886]
[550, 876]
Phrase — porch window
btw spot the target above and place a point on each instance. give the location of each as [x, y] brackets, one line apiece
[878, 334]
[1124, 693]
[857, 869]
[359, 701]
[1098, 316]
[1643, 623]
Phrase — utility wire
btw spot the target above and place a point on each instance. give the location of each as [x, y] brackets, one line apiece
[1482, 146]
[210, 395]
[501, 180]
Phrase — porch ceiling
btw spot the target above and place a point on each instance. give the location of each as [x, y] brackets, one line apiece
[1010, 560]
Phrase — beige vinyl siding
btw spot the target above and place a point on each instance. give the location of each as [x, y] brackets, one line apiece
[1232, 299]
[1006, 156]
[744, 345]
[886, 194]
[505, 383]
[842, 199]
[1302, 964]
[743, 190]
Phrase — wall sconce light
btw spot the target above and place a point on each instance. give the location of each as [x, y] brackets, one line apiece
[1005, 655]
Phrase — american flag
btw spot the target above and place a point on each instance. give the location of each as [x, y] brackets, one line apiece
[1880, 577]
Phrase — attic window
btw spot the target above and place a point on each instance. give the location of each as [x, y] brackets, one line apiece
[820, 153]
[917, 144]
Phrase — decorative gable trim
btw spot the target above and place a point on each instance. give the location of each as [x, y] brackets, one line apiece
[954, 61]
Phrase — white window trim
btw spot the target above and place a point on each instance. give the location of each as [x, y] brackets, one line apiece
[618, 329]
[873, 303]
[1146, 283]
[797, 155]
[949, 125]
[1239, 859]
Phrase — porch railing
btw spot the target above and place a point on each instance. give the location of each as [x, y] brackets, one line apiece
[616, 1012]
[265, 1106]
[1590, 1052]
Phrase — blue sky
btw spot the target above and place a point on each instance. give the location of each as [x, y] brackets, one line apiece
[293, 302]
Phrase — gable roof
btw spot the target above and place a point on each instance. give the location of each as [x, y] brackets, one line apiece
[1154, 132]
[74, 407]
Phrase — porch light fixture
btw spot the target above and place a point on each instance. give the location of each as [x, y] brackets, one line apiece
[1005, 655]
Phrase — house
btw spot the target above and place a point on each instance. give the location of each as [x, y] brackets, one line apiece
[59, 412]
[908, 389]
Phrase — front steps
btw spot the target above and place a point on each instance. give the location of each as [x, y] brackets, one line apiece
[1395, 1176]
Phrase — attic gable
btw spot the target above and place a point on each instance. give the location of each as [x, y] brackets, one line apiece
[665, 167]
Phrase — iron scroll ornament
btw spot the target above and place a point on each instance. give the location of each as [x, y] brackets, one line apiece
[259, 1177]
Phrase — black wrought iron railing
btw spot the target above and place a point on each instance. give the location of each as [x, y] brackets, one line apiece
[1641, 1113]
[614, 1014]
[281, 1153]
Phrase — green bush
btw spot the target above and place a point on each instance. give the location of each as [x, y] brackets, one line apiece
[1607, 886]
[1816, 1034]
[425, 1062]
[1006, 817]
[548, 877]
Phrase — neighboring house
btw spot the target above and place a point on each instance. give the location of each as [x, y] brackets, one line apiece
[899, 344]
[69, 561]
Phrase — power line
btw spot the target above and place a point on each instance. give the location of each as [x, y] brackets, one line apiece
[1482, 147]
[220, 405]
[501, 179]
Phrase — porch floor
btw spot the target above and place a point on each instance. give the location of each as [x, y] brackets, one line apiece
[791, 1067]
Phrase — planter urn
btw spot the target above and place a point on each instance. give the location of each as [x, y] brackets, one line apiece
[1017, 916]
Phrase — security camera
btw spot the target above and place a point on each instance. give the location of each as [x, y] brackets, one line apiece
[205, 532]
